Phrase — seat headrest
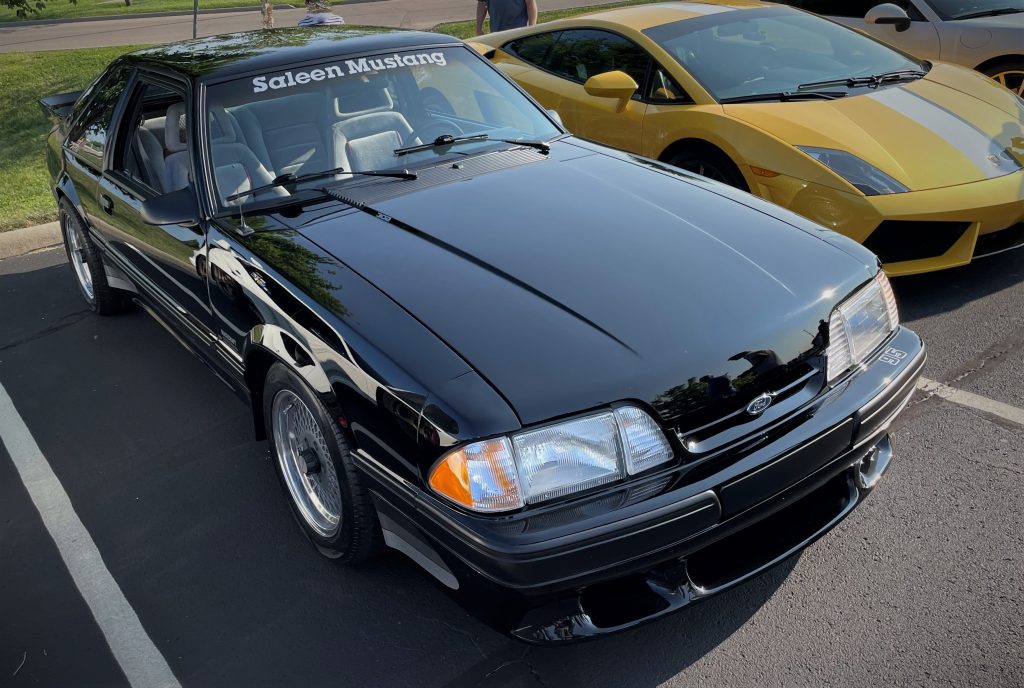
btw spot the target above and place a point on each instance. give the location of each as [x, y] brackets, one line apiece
[175, 128]
[222, 128]
[358, 97]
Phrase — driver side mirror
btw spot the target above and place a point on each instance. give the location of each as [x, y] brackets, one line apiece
[617, 85]
[175, 208]
[890, 14]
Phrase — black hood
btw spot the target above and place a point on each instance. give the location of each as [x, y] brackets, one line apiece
[578, 279]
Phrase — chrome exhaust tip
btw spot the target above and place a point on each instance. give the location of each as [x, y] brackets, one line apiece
[868, 471]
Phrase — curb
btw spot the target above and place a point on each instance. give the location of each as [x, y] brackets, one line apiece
[18, 242]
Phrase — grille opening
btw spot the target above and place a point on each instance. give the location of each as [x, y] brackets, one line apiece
[993, 242]
[753, 547]
[898, 240]
[620, 601]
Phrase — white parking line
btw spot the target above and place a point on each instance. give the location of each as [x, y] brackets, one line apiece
[132, 647]
[958, 396]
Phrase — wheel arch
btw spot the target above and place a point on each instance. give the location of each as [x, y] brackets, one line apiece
[699, 144]
[64, 188]
[993, 61]
[266, 345]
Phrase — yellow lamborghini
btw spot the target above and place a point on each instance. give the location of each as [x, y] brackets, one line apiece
[921, 162]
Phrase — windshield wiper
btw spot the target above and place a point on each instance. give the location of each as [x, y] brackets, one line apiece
[448, 140]
[289, 179]
[989, 13]
[785, 95]
[873, 80]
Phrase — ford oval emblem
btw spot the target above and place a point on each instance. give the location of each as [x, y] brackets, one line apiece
[760, 404]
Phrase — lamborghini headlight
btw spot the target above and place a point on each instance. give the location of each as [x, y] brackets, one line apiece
[859, 324]
[868, 179]
[551, 461]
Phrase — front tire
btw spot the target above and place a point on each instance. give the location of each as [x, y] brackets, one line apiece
[314, 463]
[87, 264]
[710, 163]
[1008, 73]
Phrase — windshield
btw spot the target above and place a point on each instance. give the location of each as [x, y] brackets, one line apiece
[958, 9]
[354, 114]
[769, 50]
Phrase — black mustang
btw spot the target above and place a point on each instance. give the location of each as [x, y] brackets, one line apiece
[578, 387]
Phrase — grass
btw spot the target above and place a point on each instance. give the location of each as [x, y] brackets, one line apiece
[467, 29]
[24, 78]
[63, 9]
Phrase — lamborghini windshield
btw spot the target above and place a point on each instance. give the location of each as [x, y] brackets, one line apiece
[276, 131]
[773, 50]
[968, 9]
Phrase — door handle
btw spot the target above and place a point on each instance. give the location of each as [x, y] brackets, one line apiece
[107, 203]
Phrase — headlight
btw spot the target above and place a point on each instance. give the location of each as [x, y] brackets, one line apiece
[553, 461]
[868, 179]
[859, 324]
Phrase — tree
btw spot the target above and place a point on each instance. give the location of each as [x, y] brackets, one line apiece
[24, 8]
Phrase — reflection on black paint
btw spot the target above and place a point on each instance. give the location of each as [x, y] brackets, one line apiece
[300, 265]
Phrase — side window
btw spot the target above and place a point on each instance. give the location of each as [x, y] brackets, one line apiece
[533, 49]
[88, 138]
[153, 150]
[662, 88]
[579, 54]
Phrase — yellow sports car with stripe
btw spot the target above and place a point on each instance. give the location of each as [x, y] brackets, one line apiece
[922, 162]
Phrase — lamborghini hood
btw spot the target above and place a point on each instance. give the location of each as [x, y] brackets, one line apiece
[952, 127]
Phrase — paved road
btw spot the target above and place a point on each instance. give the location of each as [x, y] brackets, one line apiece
[922, 585]
[406, 14]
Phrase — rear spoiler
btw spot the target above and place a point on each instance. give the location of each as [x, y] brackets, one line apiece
[482, 48]
[60, 105]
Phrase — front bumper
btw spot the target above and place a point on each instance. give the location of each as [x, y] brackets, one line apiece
[973, 211]
[596, 570]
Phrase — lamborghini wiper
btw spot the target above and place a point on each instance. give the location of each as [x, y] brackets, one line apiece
[873, 80]
[449, 140]
[989, 13]
[784, 96]
[289, 179]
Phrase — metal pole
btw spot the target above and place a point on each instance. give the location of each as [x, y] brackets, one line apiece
[195, 16]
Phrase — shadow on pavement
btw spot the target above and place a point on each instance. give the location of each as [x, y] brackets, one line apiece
[920, 296]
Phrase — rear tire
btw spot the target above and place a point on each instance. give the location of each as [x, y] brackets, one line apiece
[711, 163]
[314, 463]
[1008, 73]
[87, 264]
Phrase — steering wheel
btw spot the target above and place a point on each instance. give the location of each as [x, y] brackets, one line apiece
[431, 130]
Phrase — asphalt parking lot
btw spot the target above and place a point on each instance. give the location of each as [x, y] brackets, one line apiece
[922, 585]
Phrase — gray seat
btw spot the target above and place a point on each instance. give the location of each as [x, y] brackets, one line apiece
[367, 142]
[236, 168]
[287, 134]
[177, 168]
[151, 155]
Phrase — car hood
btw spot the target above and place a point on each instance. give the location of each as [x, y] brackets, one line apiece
[577, 279]
[943, 130]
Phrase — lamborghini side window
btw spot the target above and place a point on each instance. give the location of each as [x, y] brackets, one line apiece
[88, 138]
[663, 89]
[582, 53]
[533, 49]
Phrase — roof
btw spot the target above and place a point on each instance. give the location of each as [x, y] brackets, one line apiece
[238, 53]
[642, 17]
